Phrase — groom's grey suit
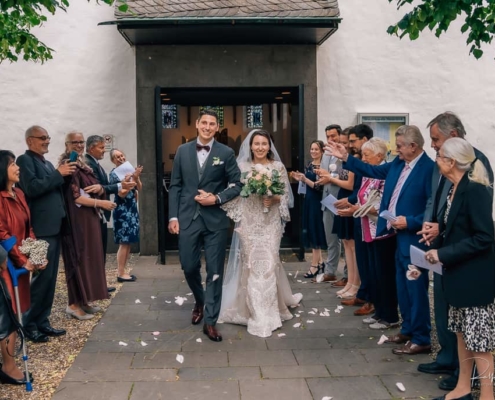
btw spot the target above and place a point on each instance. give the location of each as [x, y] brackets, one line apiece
[333, 244]
[203, 226]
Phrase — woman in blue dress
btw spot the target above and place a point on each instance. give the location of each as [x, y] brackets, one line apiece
[125, 215]
[313, 229]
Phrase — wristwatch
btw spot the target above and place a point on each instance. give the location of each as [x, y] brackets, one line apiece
[218, 200]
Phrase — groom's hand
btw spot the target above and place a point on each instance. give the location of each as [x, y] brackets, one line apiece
[173, 227]
[205, 199]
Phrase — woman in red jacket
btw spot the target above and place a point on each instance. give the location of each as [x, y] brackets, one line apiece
[14, 221]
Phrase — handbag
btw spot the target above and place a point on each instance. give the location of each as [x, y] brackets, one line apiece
[374, 199]
[8, 323]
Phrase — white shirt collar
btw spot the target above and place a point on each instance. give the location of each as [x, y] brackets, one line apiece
[210, 143]
[413, 163]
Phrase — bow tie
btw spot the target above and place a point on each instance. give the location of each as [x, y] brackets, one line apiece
[199, 147]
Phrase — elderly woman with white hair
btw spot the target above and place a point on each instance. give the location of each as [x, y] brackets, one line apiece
[465, 247]
[380, 258]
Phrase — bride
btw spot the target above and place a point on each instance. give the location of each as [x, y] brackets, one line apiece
[256, 290]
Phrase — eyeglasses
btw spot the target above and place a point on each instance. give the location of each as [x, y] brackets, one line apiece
[77, 143]
[42, 138]
[439, 156]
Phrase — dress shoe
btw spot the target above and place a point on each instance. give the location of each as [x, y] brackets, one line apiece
[212, 333]
[398, 339]
[51, 331]
[448, 383]
[131, 279]
[8, 380]
[366, 309]
[91, 309]
[37, 337]
[73, 313]
[197, 314]
[353, 302]
[411, 349]
[326, 279]
[383, 325]
[340, 283]
[468, 396]
[435, 368]
[110, 289]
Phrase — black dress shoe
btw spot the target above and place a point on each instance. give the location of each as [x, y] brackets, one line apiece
[212, 333]
[448, 383]
[8, 380]
[110, 289]
[435, 368]
[51, 331]
[468, 396]
[37, 337]
[131, 279]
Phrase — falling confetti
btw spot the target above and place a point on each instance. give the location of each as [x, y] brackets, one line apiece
[180, 358]
[122, 344]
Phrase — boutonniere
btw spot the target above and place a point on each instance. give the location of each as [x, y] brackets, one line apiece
[217, 161]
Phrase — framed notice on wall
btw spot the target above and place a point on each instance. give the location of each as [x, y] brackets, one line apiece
[384, 125]
[169, 116]
[218, 110]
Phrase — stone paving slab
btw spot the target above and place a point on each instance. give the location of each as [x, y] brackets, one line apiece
[336, 356]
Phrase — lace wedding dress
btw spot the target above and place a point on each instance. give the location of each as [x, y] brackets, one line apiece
[259, 293]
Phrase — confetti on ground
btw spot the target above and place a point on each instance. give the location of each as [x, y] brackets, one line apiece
[188, 294]
[301, 311]
[305, 282]
[319, 278]
[327, 398]
[339, 307]
[325, 314]
[199, 340]
[310, 321]
[281, 335]
[341, 335]
[297, 325]
[155, 338]
[383, 339]
[215, 277]
[311, 312]
[156, 333]
[327, 310]
[295, 276]
[400, 386]
[337, 310]
[315, 309]
[180, 300]
[153, 297]
[299, 280]
[297, 315]
[168, 301]
[290, 274]
[122, 344]
[144, 343]
[180, 358]
[137, 301]
[317, 291]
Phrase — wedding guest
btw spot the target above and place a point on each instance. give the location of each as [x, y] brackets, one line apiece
[407, 189]
[15, 220]
[465, 247]
[442, 128]
[95, 151]
[312, 218]
[82, 244]
[125, 215]
[42, 186]
[380, 250]
[256, 290]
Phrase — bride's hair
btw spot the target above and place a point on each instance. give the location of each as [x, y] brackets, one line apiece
[267, 136]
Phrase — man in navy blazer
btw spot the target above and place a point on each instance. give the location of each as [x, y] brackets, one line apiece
[407, 189]
[42, 185]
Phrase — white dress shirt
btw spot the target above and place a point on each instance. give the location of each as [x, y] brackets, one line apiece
[203, 154]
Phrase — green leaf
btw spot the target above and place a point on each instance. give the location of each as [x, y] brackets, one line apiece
[477, 53]
[123, 8]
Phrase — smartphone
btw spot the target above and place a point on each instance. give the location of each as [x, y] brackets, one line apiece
[73, 156]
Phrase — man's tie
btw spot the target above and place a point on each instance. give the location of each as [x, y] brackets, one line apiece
[397, 189]
[199, 147]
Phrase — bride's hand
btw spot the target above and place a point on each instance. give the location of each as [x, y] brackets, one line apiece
[269, 200]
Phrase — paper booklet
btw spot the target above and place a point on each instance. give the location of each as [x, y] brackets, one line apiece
[329, 202]
[122, 170]
[418, 259]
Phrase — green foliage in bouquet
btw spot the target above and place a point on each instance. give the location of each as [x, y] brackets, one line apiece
[262, 181]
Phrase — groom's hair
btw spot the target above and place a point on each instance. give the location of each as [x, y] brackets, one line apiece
[208, 111]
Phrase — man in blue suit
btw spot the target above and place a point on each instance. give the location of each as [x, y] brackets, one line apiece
[407, 189]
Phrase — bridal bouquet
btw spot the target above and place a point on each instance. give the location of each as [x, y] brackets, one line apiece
[35, 249]
[262, 181]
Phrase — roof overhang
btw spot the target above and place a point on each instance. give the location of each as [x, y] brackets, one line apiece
[246, 31]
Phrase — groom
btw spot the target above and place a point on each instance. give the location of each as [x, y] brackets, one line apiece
[205, 175]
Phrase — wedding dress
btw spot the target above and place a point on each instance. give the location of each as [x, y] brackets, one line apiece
[258, 293]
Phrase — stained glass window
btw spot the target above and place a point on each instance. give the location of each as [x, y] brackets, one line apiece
[254, 116]
[169, 116]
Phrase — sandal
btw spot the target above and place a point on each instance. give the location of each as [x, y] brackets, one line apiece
[310, 274]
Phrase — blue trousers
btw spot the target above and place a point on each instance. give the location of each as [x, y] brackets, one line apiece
[414, 304]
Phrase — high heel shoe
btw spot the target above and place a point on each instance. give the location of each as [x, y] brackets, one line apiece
[73, 313]
[347, 295]
[8, 380]
[345, 289]
[309, 274]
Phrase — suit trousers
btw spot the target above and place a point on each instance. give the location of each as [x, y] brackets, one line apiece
[447, 339]
[362, 262]
[413, 302]
[43, 289]
[104, 238]
[333, 243]
[191, 240]
[383, 287]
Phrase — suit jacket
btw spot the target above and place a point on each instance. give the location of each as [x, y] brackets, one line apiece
[222, 180]
[432, 215]
[330, 188]
[412, 199]
[466, 247]
[102, 178]
[42, 185]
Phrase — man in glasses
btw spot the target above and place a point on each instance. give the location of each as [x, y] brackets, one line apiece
[42, 185]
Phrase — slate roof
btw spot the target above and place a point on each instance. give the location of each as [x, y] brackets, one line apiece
[229, 9]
